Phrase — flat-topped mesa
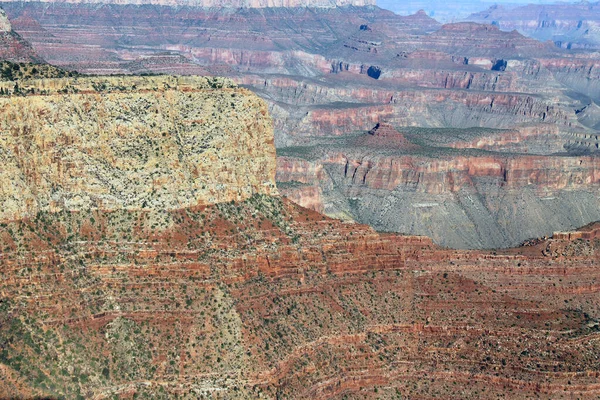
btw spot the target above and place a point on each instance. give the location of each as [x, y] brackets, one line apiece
[230, 3]
[131, 143]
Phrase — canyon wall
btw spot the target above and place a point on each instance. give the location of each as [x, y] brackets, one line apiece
[12, 46]
[477, 201]
[571, 26]
[132, 143]
[328, 75]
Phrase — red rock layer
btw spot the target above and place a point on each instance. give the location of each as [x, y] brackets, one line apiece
[264, 299]
[12, 46]
[437, 176]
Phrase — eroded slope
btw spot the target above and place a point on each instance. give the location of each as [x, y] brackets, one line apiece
[256, 298]
[264, 299]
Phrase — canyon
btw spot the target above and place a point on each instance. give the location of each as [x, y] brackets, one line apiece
[572, 26]
[247, 294]
[331, 71]
[474, 200]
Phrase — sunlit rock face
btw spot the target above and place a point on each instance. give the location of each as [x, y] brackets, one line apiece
[131, 143]
[12, 46]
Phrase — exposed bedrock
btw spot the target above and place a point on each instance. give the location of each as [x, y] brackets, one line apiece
[112, 143]
[264, 299]
[326, 71]
[579, 74]
[4, 22]
[12, 46]
[442, 109]
[478, 201]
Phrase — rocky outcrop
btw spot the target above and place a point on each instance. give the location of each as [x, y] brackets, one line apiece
[4, 22]
[112, 143]
[264, 299]
[589, 232]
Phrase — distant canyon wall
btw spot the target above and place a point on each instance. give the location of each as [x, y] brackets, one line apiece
[229, 3]
[462, 201]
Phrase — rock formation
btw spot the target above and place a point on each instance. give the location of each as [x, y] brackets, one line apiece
[12, 46]
[4, 22]
[126, 271]
[330, 74]
[568, 25]
[480, 200]
[264, 299]
[115, 143]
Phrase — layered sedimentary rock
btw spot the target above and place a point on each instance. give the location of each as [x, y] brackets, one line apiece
[573, 26]
[12, 46]
[330, 74]
[478, 200]
[121, 277]
[113, 143]
[264, 299]
[327, 71]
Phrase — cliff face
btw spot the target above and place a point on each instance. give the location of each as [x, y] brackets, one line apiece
[477, 201]
[4, 22]
[12, 46]
[113, 143]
